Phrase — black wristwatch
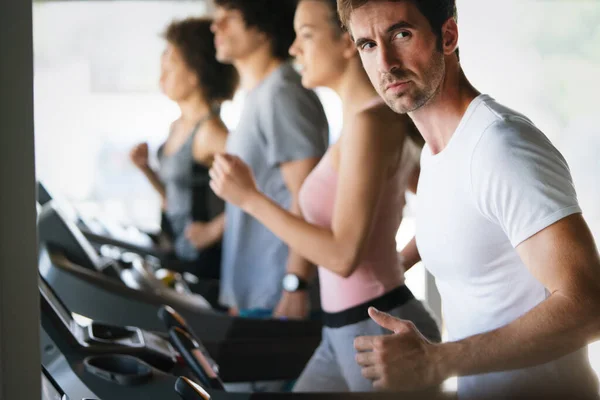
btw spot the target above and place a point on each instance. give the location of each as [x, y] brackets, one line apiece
[293, 283]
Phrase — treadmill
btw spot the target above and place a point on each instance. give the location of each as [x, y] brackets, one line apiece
[100, 361]
[101, 233]
[92, 286]
[117, 242]
[57, 232]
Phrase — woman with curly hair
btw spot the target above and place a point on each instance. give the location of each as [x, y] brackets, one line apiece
[193, 78]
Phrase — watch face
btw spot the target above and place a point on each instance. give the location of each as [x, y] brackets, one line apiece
[291, 283]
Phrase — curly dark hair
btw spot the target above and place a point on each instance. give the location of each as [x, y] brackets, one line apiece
[196, 42]
[275, 18]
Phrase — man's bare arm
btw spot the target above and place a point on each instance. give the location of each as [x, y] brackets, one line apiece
[564, 258]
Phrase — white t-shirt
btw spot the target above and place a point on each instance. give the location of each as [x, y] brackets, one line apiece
[498, 182]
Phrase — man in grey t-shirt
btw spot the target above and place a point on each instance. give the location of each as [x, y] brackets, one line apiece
[282, 134]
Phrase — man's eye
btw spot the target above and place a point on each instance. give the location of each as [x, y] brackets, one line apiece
[402, 35]
[367, 46]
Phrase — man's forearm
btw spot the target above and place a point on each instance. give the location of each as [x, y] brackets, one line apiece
[553, 329]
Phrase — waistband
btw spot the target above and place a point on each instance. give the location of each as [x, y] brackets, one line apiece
[386, 302]
[263, 313]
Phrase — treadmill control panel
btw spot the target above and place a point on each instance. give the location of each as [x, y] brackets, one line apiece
[150, 347]
[98, 333]
[131, 340]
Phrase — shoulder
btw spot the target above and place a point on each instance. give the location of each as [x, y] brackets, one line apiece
[381, 114]
[211, 131]
[511, 138]
[374, 135]
[286, 85]
[285, 75]
[502, 128]
[379, 123]
[291, 102]
[512, 152]
[287, 92]
[215, 125]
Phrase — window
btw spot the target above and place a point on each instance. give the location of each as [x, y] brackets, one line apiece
[97, 66]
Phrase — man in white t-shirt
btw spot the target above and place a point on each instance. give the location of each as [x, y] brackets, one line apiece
[499, 225]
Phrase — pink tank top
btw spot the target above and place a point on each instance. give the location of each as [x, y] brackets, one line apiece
[380, 270]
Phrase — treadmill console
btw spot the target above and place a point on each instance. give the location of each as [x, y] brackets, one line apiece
[57, 231]
[92, 224]
[100, 334]
[103, 338]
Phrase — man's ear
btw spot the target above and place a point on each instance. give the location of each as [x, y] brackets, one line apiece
[449, 36]
[264, 38]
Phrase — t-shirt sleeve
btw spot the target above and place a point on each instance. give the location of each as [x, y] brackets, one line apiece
[294, 125]
[520, 181]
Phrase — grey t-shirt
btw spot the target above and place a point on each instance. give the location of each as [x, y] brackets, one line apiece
[281, 122]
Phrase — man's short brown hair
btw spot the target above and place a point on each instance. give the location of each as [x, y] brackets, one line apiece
[437, 12]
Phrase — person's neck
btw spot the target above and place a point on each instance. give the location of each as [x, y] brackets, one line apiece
[193, 108]
[254, 68]
[354, 88]
[438, 119]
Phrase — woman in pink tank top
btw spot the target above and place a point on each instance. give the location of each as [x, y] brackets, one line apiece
[351, 202]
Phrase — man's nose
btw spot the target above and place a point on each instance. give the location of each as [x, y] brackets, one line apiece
[388, 59]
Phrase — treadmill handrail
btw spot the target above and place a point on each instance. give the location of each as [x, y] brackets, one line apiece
[157, 298]
[240, 327]
[102, 239]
